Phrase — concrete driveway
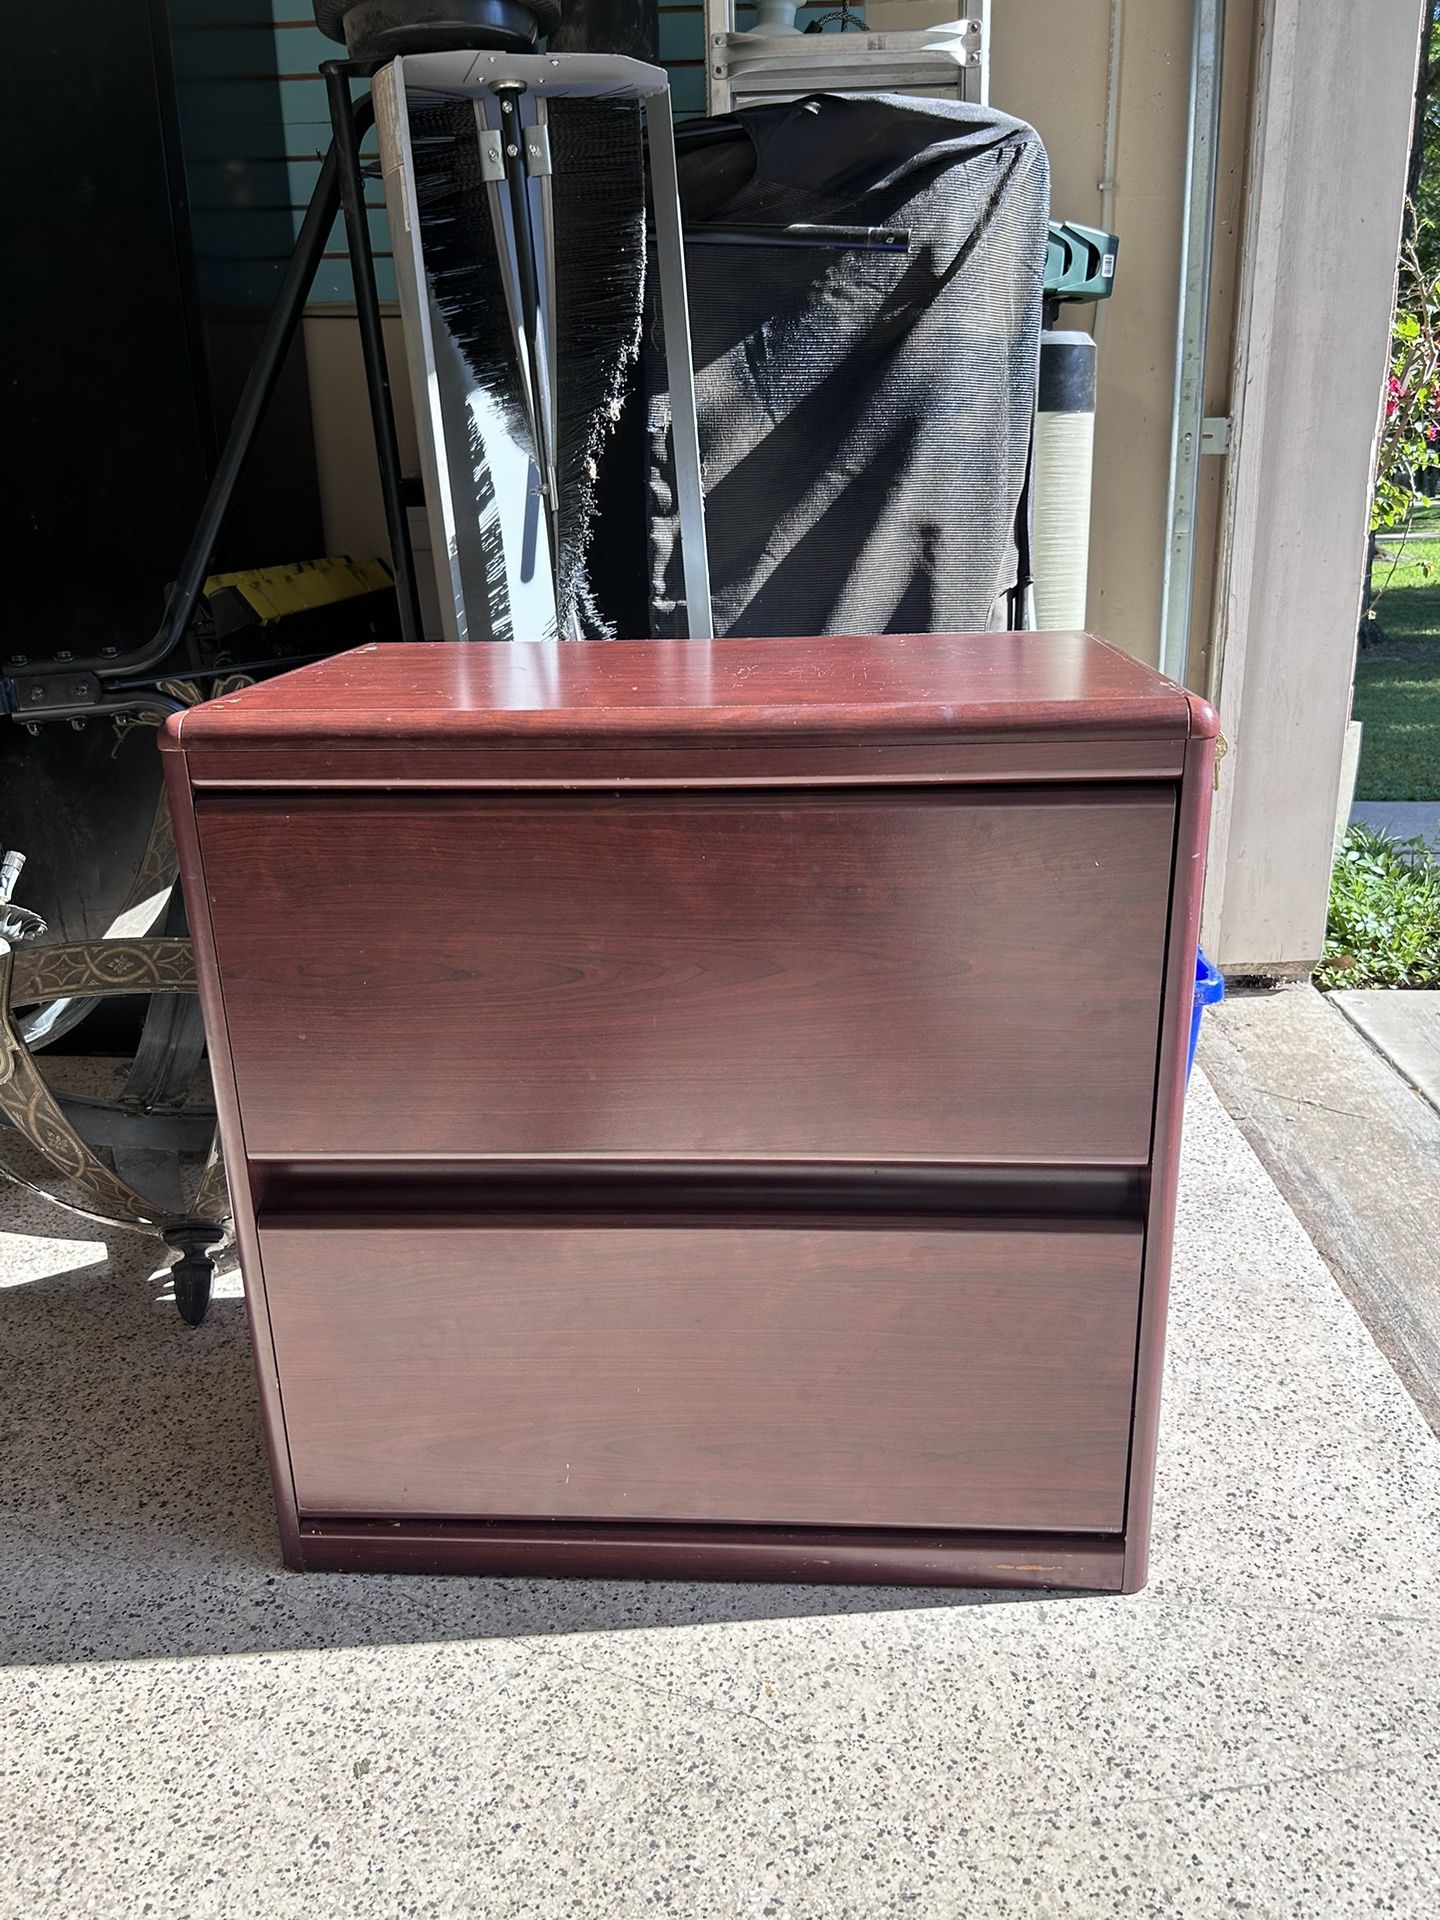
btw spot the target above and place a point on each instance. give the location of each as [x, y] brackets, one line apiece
[186, 1730]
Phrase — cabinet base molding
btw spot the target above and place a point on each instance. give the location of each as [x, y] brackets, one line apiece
[870, 1557]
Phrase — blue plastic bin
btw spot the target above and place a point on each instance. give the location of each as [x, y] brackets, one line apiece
[1209, 992]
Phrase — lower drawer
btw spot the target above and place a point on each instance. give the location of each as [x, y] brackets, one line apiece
[882, 1376]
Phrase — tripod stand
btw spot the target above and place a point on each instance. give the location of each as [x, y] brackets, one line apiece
[111, 682]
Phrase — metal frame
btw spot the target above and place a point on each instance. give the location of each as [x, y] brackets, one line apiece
[101, 969]
[112, 683]
[743, 69]
[1197, 243]
[520, 85]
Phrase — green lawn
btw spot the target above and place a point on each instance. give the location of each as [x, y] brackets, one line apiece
[1397, 683]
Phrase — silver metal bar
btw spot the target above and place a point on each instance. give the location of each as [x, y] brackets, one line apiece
[979, 75]
[535, 149]
[392, 119]
[680, 366]
[530, 344]
[540, 165]
[490, 123]
[575, 76]
[492, 170]
[541, 168]
[1196, 247]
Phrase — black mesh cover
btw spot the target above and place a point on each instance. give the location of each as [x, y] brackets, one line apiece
[865, 418]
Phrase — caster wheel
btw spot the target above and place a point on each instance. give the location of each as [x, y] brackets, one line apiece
[192, 1275]
[194, 1272]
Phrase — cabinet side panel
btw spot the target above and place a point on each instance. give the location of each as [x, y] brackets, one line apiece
[1191, 832]
[232, 1141]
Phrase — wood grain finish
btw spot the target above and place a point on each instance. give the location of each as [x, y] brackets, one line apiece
[231, 1130]
[944, 686]
[801, 1001]
[1014, 706]
[795, 976]
[916, 1378]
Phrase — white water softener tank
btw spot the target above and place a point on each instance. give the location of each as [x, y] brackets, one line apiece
[1064, 461]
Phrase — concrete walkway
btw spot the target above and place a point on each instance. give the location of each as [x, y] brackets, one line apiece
[187, 1731]
[1353, 1150]
[1404, 1028]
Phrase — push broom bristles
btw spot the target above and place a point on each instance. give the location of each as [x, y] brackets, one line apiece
[598, 273]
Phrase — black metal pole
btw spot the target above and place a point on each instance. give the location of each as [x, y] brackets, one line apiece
[31, 697]
[254, 398]
[837, 239]
[75, 688]
[346, 149]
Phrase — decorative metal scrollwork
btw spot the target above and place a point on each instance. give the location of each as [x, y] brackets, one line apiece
[100, 968]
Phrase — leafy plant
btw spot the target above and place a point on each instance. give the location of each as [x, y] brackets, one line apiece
[1384, 925]
[1409, 440]
[1422, 178]
[1410, 430]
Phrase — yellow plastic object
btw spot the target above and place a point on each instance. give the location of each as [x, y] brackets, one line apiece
[275, 593]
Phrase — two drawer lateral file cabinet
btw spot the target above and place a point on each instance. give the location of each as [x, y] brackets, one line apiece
[705, 1109]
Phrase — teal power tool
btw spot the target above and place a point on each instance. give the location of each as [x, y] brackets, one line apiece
[1079, 264]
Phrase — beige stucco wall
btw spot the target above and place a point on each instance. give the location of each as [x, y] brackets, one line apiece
[345, 464]
[1050, 65]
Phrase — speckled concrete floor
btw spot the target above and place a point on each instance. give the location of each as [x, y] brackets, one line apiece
[185, 1730]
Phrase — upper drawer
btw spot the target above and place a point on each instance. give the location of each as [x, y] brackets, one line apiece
[906, 974]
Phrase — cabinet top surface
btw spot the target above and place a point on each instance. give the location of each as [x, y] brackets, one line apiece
[895, 685]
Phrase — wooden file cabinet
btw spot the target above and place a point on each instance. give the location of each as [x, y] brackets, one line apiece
[705, 1109]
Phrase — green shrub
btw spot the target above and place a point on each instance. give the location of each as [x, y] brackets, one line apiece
[1384, 926]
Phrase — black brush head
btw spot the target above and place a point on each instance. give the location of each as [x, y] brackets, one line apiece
[459, 248]
[597, 194]
[463, 270]
[599, 221]
[377, 29]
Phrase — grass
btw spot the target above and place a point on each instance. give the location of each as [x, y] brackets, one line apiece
[1397, 682]
[1384, 925]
